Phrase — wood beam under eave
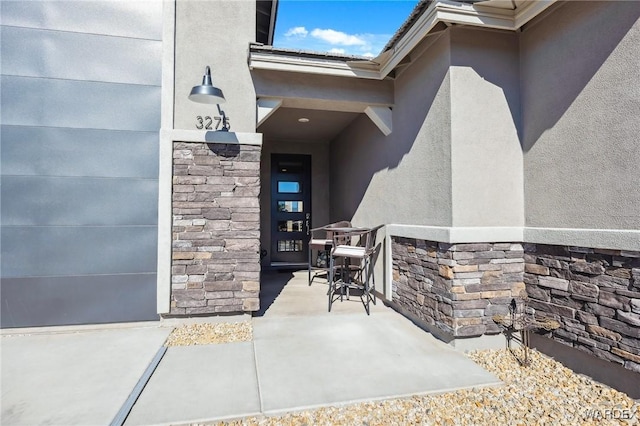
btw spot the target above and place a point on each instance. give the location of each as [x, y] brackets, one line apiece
[266, 107]
[381, 117]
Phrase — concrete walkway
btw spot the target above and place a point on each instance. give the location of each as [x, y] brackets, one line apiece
[301, 357]
[73, 378]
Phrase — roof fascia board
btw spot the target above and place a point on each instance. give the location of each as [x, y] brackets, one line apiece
[531, 10]
[272, 21]
[496, 18]
[307, 65]
[415, 35]
[449, 12]
[462, 14]
[410, 40]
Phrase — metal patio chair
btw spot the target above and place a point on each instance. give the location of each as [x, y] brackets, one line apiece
[322, 240]
[350, 265]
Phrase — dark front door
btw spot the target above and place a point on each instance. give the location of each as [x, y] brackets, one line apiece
[290, 209]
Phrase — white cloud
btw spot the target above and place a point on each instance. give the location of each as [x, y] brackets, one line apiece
[296, 32]
[330, 40]
[337, 37]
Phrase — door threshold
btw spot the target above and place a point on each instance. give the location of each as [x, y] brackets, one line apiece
[289, 265]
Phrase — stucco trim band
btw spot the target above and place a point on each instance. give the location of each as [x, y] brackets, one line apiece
[199, 136]
[618, 239]
[445, 234]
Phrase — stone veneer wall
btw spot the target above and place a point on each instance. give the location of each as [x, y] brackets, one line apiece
[593, 293]
[456, 289]
[216, 228]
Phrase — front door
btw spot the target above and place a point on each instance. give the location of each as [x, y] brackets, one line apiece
[290, 209]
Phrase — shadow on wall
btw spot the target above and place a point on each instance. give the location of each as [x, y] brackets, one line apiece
[558, 60]
[553, 60]
[361, 150]
[219, 136]
[492, 57]
[224, 150]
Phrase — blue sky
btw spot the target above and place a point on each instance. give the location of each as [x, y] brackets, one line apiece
[351, 27]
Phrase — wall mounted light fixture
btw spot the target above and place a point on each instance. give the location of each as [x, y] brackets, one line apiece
[207, 93]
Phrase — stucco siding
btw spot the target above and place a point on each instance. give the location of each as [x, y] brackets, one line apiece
[485, 113]
[580, 67]
[216, 34]
[404, 177]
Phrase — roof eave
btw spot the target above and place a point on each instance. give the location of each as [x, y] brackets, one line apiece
[311, 65]
[272, 23]
[450, 12]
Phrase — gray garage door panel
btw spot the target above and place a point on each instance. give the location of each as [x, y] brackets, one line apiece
[50, 151]
[43, 102]
[96, 299]
[139, 19]
[80, 101]
[48, 201]
[60, 250]
[73, 56]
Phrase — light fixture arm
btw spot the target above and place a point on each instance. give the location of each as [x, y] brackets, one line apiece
[225, 120]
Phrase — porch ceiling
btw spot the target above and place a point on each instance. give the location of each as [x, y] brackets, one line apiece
[323, 125]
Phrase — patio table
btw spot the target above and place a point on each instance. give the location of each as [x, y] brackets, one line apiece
[324, 243]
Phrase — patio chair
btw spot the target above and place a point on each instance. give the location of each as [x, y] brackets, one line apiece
[322, 240]
[351, 265]
[373, 253]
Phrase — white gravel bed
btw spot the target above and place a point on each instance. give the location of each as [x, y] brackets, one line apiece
[210, 333]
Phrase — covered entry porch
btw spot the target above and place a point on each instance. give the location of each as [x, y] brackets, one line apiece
[304, 118]
[384, 152]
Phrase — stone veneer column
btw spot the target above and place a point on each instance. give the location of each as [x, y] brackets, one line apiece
[216, 228]
[456, 289]
[593, 293]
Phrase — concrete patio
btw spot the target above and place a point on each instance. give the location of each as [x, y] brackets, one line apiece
[301, 356]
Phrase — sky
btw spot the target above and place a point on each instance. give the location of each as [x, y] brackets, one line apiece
[350, 27]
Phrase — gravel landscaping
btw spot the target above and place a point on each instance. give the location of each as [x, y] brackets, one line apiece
[210, 333]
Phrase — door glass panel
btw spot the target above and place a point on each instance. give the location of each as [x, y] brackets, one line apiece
[286, 187]
[289, 245]
[290, 225]
[290, 206]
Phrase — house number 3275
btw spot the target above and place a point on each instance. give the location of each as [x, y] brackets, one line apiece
[207, 122]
